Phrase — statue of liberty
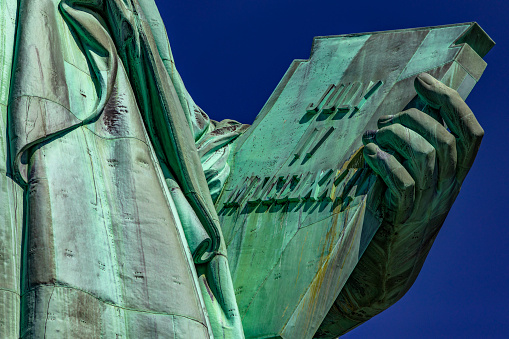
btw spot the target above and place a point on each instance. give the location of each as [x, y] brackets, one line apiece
[116, 222]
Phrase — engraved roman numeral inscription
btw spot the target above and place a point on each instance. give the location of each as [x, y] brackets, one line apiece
[311, 141]
[343, 97]
[324, 186]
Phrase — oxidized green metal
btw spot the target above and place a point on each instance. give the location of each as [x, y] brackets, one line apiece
[111, 177]
[300, 208]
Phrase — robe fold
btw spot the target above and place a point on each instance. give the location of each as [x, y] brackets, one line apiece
[111, 169]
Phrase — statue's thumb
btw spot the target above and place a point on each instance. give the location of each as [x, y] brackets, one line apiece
[430, 90]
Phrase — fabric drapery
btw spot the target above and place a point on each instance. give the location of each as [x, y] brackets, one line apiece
[116, 161]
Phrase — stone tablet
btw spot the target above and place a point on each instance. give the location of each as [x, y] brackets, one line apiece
[299, 210]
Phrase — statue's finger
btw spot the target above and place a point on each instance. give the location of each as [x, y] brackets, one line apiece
[435, 134]
[458, 117]
[400, 195]
[418, 152]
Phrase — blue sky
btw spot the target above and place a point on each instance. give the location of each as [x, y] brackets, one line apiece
[232, 54]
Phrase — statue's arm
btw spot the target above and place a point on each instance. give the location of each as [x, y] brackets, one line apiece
[385, 272]
[423, 165]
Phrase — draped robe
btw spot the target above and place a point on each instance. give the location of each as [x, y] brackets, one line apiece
[109, 172]
[110, 228]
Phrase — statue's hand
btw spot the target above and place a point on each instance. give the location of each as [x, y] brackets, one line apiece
[422, 162]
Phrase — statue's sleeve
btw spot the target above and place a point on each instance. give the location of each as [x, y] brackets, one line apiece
[212, 138]
[385, 272]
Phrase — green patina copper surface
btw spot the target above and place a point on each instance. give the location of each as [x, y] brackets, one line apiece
[300, 208]
[127, 212]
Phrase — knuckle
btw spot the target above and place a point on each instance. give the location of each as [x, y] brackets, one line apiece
[430, 154]
[472, 130]
[408, 185]
[404, 180]
[425, 157]
[449, 141]
[477, 132]
[408, 189]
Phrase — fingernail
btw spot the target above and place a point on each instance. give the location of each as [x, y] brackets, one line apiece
[385, 119]
[369, 134]
[426, 78]
[370, 150]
